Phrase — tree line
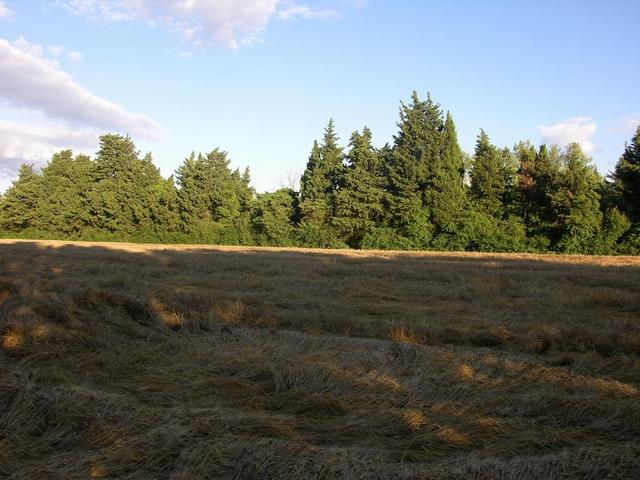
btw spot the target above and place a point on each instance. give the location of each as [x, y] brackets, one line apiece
[418, 192]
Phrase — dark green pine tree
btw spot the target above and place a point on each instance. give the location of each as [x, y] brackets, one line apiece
[446, 193]
[165, 207]
[537, 174]
[67, 183]
[272, 218]
[626, 179]
[319, 187]
[488, 183]
[19, 204]
[193, 191]
[119, 200]
[576, 203]
[410, 167]
[332, 159]
[359, 206]
[315, 203]
[212, 197]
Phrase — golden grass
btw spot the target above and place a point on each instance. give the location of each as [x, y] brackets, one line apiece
[195, 362]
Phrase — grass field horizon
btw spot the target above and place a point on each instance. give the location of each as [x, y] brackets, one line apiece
[197, 361]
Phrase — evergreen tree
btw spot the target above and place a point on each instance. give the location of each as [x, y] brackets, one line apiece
[446, 194]
[165, 207]
[315, 189]
[576, 203]
[488, 183]
[412, 164]
[359, 200]
[332, 158]
[411, 194]
[319, 187]
[193, 193]
[66, 182]
[119, 200]
[214, 200]
[626, 179]
[18, 207]
[537, 174]
[272, 218]
[322, 177]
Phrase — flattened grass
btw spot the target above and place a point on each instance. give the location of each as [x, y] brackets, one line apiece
[130, 361]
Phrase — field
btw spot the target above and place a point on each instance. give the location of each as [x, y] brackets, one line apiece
[157, 362]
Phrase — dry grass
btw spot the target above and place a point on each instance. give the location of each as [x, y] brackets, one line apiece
[154, 362]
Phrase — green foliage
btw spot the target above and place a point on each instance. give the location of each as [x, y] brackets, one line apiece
[18, 210]
[322, 178]
[411, 165]
[384, 238]
[445, 194]
[411, 194]
[482, 232]
[359, 205]
[119, 199]
[319, 190]
[615, 225]
[576, 203]
[538, 171]
[631, 244]
[209, 189]
[272, 218]
[67, 183]
[488, 177]
[626, 179]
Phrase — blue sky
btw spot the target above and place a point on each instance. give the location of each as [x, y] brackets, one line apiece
[261, 78]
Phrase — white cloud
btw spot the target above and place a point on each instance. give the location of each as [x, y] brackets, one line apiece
[57, 51]
[31, 49]
[31, 81]
[578, 129]
[5, 12]
[305, 12]
[232, 23]
[26, 144]
[53, 111]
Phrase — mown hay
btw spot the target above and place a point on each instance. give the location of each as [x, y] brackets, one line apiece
[147, 362]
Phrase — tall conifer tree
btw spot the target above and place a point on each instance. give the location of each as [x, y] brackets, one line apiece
[67, 183]
[416, 152]
[626, 178]
[18, 209]
[488, 185]
[445, 193]
[359, 200]
[576, 203]
[319, 187]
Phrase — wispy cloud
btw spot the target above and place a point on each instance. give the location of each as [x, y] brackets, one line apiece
[31, 81]
[5, 12]
[60, 112]
[57, 51]
[35, 145]
[232, 23]
[578, 129]
[305, 12]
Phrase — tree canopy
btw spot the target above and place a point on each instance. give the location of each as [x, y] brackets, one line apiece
[420, 191]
